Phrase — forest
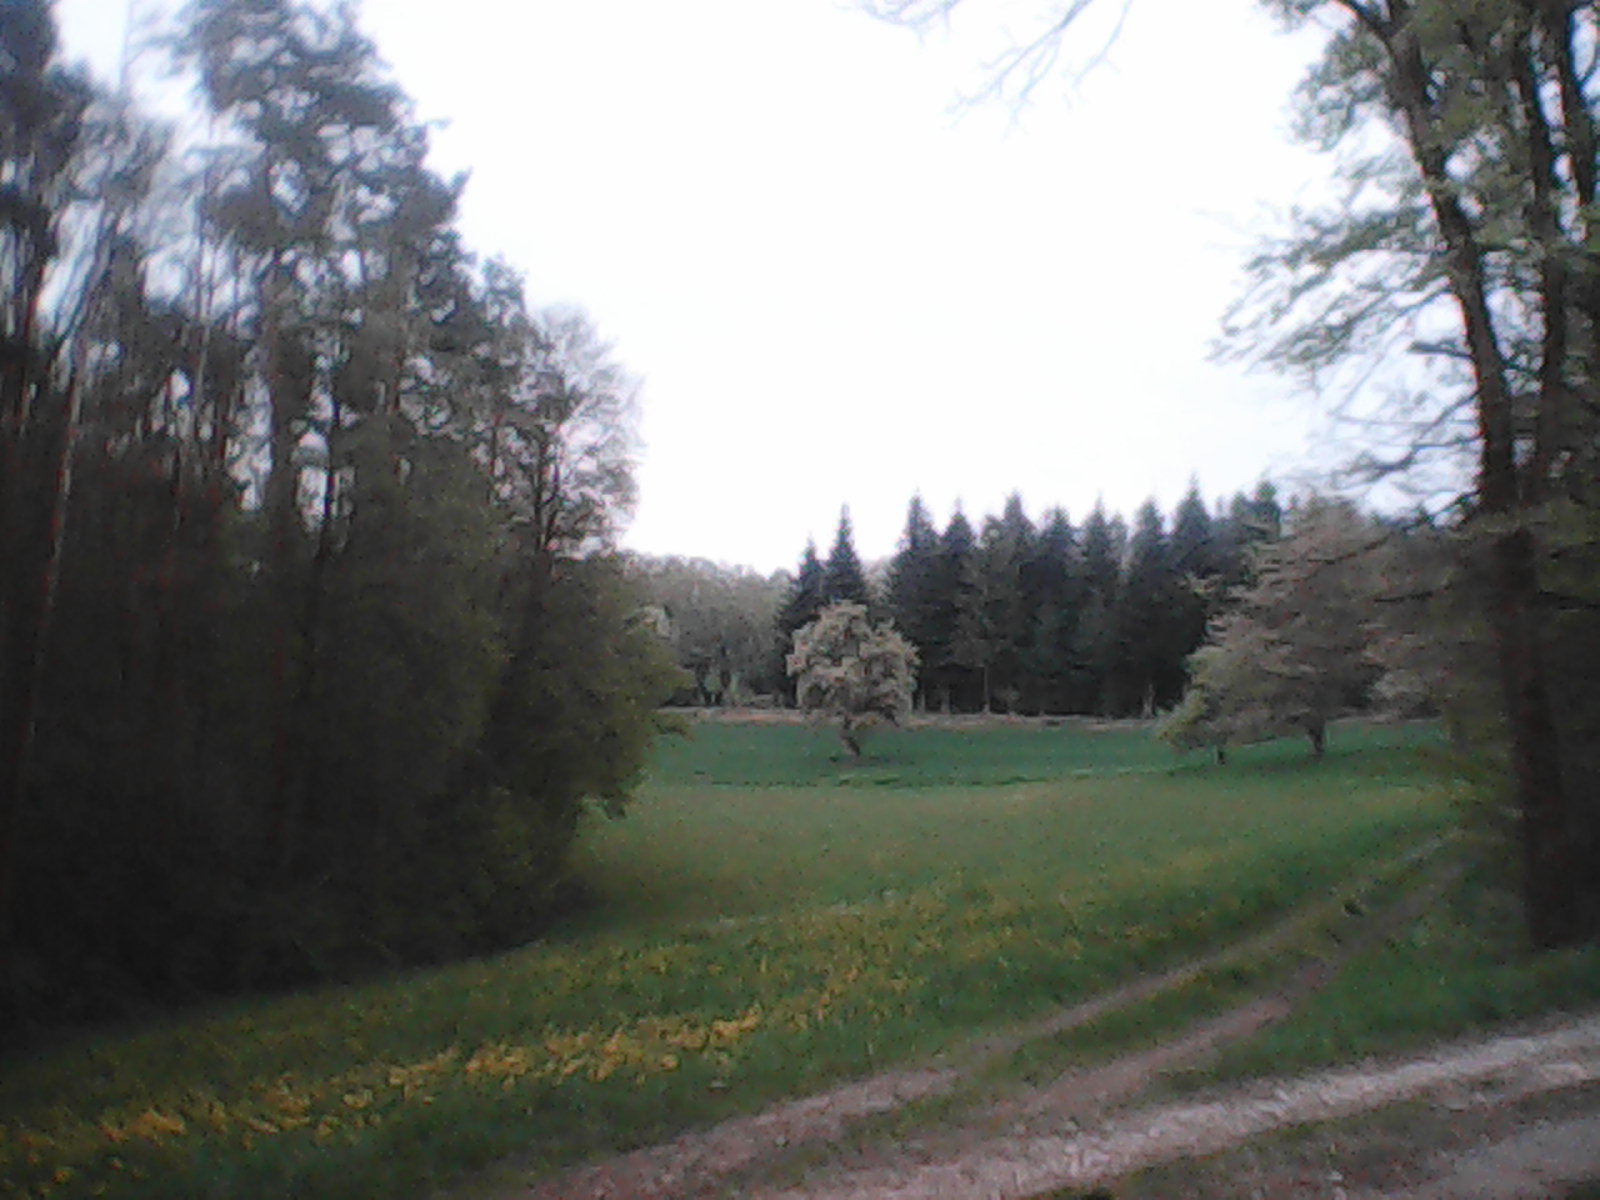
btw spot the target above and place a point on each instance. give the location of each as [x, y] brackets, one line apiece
[312, 644]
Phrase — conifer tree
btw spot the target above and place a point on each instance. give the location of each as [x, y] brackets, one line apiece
[842, 578]
[1095, 637]
[912, 574]
[1196, 561]
[1146, 675]
[806, 598]
[1054, 586]
[1006, 622]
[954, 607]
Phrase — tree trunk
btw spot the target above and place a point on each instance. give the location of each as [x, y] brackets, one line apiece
[1559, 905]
[22, 708]
[1562, 892]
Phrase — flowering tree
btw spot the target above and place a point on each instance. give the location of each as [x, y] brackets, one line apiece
[1294, 648]
[849, 670]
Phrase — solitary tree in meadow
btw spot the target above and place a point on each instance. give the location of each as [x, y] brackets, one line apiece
[849, 670]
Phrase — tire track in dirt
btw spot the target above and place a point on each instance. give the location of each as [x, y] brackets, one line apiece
[1014, 1167]
[703, 1163]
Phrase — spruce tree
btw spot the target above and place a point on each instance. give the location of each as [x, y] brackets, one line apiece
[911, 583]
[1095, 637]
[1197, 566]
[1053, 585]
[843, 580]
[1006, 548]
[952, 608]
[806, 597]
[1146, 676]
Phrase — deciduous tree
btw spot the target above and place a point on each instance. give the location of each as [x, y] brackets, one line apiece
[1292, 649]
[852, 671]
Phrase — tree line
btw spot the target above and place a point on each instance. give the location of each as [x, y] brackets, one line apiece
[313, 646]
[1048, 617]
[1342, 612]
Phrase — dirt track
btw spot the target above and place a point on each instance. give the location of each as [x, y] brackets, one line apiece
[1087, 1127]
[1023, 1164]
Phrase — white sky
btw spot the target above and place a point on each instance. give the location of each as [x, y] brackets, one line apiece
[837, 292]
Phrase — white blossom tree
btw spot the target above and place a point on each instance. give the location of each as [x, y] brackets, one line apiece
[849, 670]
[1294, 648]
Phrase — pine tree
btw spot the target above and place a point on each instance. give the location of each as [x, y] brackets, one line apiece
[1054, 587]
[842, 580]
[1095, 635]
[1003, 555]
[953, 609]
[805, 600]
[1146, 675]
[911, 582]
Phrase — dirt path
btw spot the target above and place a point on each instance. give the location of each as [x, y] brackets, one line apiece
[1029, 1164]
[1527, 1165]
[701, 1163]
[1084, 1128]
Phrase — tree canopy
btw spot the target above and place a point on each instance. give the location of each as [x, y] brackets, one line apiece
[851, 671]
[312, 651]
[1292, 649]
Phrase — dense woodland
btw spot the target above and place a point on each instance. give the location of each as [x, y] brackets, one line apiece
[312, 648]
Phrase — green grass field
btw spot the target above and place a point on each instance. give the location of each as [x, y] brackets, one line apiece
[768, 919]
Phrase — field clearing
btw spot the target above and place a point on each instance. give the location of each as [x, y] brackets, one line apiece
[1024, 809]
[768, 920]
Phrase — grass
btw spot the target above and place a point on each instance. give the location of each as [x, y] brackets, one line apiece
[769, 919]
[1460, 969]
[783, 754]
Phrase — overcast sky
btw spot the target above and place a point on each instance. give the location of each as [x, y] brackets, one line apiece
[836, 291]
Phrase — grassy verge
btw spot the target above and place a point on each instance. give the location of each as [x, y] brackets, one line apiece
[1462, 968]
[750, 942]
[1257, 968]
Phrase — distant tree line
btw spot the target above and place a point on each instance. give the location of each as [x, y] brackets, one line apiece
[312, 644]
[719, 623]
[1014, 616]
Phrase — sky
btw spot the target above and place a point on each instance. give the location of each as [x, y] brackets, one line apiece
[838, 291]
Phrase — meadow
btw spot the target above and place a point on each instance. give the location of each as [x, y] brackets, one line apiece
[768, 919]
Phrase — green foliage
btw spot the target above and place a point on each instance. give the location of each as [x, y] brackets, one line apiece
[842, 580]
[1293, 649]
[1456, 252]
[310, 655]
[576, 711]
[912, 602]
[1019, 618]
[721, 623]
